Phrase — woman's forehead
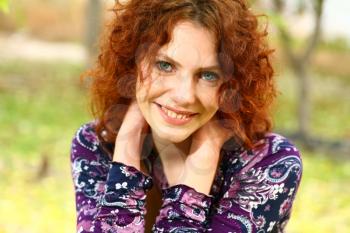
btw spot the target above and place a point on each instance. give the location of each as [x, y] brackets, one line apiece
[191, 44]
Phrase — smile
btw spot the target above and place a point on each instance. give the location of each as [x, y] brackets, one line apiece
[174, 118]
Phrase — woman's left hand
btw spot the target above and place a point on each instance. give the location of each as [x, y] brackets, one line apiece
[211, 135]
[201, 163]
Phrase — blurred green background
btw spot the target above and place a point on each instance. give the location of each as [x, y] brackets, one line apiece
[42, 103]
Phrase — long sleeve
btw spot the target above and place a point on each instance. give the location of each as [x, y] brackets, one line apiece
[260, 198]
[110, 196]
[256, 195]
[183, 210]
[260, 189]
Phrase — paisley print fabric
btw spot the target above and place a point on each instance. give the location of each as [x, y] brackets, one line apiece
[253, 191]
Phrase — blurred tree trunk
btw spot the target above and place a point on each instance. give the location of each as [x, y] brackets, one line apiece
[300, 62]
[92, 28]
[43, 169]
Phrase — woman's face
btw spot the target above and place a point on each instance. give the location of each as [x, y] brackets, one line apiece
[180, 94]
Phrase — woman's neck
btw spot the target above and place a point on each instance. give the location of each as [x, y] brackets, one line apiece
[172, 156]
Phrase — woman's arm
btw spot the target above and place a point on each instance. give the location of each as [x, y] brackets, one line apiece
[260, 198]
[186, 204]
[110, 196]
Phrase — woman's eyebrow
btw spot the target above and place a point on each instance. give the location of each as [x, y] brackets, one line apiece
[166, 57]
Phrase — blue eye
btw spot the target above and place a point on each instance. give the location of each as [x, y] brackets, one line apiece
[209, 76]
[164, 66]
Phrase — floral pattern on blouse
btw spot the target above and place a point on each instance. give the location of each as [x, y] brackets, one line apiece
[253, 191]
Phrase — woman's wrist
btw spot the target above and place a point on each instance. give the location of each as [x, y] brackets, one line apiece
[128, 150]
[200, 170]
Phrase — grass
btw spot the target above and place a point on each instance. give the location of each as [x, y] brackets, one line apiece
[330, 108]
[42, 105]
[322, 204]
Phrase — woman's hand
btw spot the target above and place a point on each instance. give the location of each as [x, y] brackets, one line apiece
[211, 135]
[201, 163]
[129, 141]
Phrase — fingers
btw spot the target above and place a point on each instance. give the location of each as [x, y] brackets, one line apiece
[214, 132]
[133, 124]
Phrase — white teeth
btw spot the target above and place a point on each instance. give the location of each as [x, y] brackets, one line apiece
[173, 114]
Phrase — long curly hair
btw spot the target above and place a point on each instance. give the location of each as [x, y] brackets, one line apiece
[141, 27]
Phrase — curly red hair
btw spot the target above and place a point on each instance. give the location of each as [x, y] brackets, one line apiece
[141, 27]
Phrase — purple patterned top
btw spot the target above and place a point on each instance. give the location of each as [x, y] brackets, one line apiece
[253, 191]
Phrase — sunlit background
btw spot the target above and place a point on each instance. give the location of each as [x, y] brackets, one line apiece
[46, 44]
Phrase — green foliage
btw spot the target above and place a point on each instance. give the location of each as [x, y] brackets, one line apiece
[42, 105]
[4, 6]
[39, 105]
[322, 204]
[277, 19]
[330, 108]
[339, 44]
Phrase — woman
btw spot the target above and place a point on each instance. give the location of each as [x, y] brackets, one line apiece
[181, 95]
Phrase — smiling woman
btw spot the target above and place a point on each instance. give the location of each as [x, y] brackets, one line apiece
[178, 84]
[181, 95]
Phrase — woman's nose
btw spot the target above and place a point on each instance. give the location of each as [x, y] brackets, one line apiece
[184, 90]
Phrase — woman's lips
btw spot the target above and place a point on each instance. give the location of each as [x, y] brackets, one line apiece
[177, 111]
[174, 121]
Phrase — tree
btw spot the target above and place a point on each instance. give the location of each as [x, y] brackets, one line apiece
[299, 62]
[92, 27]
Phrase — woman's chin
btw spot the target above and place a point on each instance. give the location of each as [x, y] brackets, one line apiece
[177, 139]
[171, 137]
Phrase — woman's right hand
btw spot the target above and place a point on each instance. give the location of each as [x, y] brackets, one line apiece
[129, 141]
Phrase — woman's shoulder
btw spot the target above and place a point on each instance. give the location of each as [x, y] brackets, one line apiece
[280, 151]
[271, 150]
[89, 166]
[276, 147]
[277, 143]
[86, 136]
[86, 145]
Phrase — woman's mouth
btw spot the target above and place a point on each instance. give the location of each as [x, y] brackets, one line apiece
[173, 117]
